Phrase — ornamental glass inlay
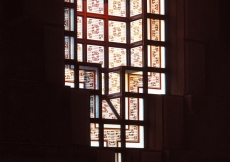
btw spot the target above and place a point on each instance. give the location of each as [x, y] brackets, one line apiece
[95, 6]
[95, 54]
[95, 29]
[117, 31]
[136, 31]
[117, 57]
[117, 8]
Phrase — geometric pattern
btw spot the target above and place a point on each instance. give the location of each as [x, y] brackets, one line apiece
[117, 31]
[107, 112]
[112, 135]
[87, 77]
[154, 29]
[135, 7]
[79, 5]
[69, 47]
[132, 133]
[117, 8]
[67, 19]
[79, 52]
[95, 6]
[154, 6]
[154, 53]
[136, 31]
[133, 108]
[95, 54]
[69, 73]
[136, 56]
[79, 27]
[117, 57]
[95, 29]
[135, 82]
[116, 104]
[154, 80]
[114, 82]
[94, 132]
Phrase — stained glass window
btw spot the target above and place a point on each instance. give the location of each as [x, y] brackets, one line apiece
[117, 52]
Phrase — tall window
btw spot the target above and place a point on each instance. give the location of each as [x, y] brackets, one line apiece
[116, 50]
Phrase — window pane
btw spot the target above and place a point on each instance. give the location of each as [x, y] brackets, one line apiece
[69, 47]
[155, 6]
[114, 82]
[94, 134]
[117, 8]
[156, 83]
[95, 54]
[79, 27]
[69, 19]
[156, 30]
[117, 31]
[135, 7]
[116, 104]
[95, 29]
[79, 5]
[87, 79]
[107, 112]
[134, 81]
[70, 1]
[136, 56]
[156, 56]
[136, 31]
[69, 75]
[112, 135]
[79, 52]
[95, 6]
[117, 57]
[134, 108]
[94, 106]
[134, 136]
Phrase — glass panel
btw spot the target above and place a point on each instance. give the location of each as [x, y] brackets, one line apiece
[69, 47]
[94, 106]
[79, 52]
[135, 7]
[117, 31]
[118, 157]
[112, 135]
[95, 54]
[79, 27]
[156, 30]
[134, 136]
[79, 5]
[114, 82]
[134, 108]
[107, 112]
[69, 19]
[136, 56]
[94, 134]
[117, 8]
[95, 29]
[117, 57]
[87, 79]
[95, 6]
[69, 75]
[155, 6]
[156, 56]
[156, 83]
[70, 1]
[136, 31]
[116, 104]
[134, 81]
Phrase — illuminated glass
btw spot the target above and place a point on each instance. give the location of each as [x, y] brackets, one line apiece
[79, 5]
[69, 19]
[134, 81]
[156, 29]
[134, 108]
[116, 102]
[95, 29]
[117, 8]
[69, 75]
[95, 6]
[117, 57]
[135, 7]
[114, 82]
[136, 56]
[156, 7]
[112, 135]
[69, 47]
[87, 79]
[95, 54]
[79, 52]
[94, 106]
[134, 136]
[117, 31]
[94, 134]
[107, 111]
[156, 83]
[79, 27]
[136, 31]
[156, 56]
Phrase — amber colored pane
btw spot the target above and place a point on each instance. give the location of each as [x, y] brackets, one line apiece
[136, 31]
[135, 7]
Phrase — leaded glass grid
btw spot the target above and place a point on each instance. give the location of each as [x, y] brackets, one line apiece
[119, 59]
